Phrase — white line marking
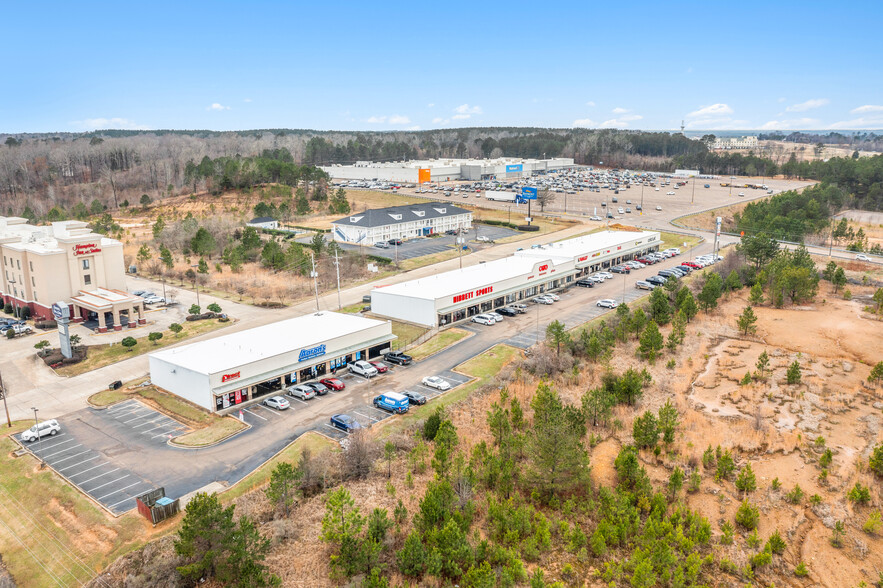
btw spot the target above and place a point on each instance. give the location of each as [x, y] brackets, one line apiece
[106, 484]
[367, 417]
[89, 469]
[124, 404]
[62, 451]
[96, 477]
[77, 464]
[165, 433]
[139, 417]
[54, 444]
[275, 413]
[148, 431]
[383, 412]
[70, 457]
[120, 490]
[121, 501]
[335, 429]
[253, 414]
[159, 418]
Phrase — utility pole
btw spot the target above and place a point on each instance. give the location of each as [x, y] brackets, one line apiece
[39, 437]
[694, 191]
[460, 241]
[315, 275]
[5, 406]
[337, 265]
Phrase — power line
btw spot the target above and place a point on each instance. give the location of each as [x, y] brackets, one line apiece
[31, 553]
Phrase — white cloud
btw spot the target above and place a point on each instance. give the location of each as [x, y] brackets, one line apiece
[398, 119]
[875, 121]
[790, 124]
[461, 116]
[584, 122]
[375, 119]
[867, 108]
[247, 100]
[590, 103]
[714, 110]
[217, 107]
[622, 121]
[781, 100]
[430, 105]
[437, 120]
[466, 109]
[619, 110]
[110, 123]
[808, 105]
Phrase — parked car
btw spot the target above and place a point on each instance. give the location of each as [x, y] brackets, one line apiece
[484, 239]
[520, 308]
[605, 275]
[395, 242]
[397, 357]
[345, 422]
[741, 193]
[669, 274]
[658, 207]
[646, 260]
[15, 328]
[379, 366]
[644, 285]
[619, 269]
[301, 392]
[277, 402]
[543, 300]
[669, 193]
[507, 311]
[333, 383]
[436, 382]
[684, 268]
[585, 283]
[392, 402]
[139, 292]
[320, 388]
[50, 428]
[595, 218]
[657, 280]
[497, 316]
[483, 319]
[415, 397]
[382, 245]
[363, 368]
[863, 257]
[607, 303]
[154, 299]
[553, 296]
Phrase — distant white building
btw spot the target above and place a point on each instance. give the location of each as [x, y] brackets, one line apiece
[446, 170]
[746, 142]
[263, 222]
[400, 222]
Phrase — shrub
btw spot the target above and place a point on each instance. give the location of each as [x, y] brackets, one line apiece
[876, 460]
[753, 540]
[776, 485]
[873, 524]
[746, 379]
[860, 494]
[727, 533]
[748, 515]
[746, 480]
[837, 534]
[694, 483]
[129, 343]
[793, 376]
[815, 500]
[826, 458]
[761, 559]
[775, 543]
[725, 466]
[194, 309]
[801, 571]
[646, 430]
[214, 307]
[795, 495]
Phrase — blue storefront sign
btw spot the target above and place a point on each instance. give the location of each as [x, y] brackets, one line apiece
[514, 168]
[306, 354]
[528, 193]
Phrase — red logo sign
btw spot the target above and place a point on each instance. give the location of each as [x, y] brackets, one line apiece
[228, 377]
[470, 295]
[543, 267]
[583, 258]
[86, 249]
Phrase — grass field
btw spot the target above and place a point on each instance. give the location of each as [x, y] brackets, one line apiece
[106, 354]
[481, 367]
[50, 534]
[405, 333]
[217, 431]
[437, 343]
[291, 454]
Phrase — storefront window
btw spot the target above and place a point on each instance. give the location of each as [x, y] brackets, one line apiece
[486, 306]
[459, 315]
[472, 310]
[499, 302]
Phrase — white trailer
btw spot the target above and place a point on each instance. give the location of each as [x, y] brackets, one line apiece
[502, 196]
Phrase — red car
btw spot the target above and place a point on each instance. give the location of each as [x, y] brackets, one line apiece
[645, 260]
[692, 265]
[333, 383]
[379, 366]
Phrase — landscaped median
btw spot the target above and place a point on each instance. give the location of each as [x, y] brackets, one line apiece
[208, 429]
[105, 354]
[482, 368]
[438, 343]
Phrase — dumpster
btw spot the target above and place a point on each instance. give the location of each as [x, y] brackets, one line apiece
[156, 507]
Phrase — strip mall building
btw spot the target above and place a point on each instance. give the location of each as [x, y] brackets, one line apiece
[66, 262]
[225, 373]
[454, 296]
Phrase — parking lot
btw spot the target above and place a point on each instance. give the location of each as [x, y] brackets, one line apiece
[427, 246]
[91, 448]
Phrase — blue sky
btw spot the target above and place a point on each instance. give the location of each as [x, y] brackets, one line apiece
[422, 65]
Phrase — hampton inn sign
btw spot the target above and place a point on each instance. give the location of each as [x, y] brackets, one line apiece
[86, 249]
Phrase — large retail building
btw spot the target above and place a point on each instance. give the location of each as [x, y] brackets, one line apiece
[66, 262]
[458, 295]
[446, 170]
[400, 222]
[225, 373]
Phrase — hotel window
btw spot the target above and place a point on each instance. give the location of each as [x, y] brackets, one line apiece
[33, 283]
[18, 261]
[85, 264]
[87, 279]
[32, 265]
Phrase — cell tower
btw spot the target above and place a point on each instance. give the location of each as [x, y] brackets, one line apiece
[682, 127]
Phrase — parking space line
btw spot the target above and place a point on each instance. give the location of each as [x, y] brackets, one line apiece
[95, 478]
[139, 417]
[62, 451]
[106, 484]
[121, 501]
[367, 417]
[120, 490]
[69, 457]
[166, 432]
[124, 404]
[159, 418]
[422, 387]
[45, 447]
[148, 431]
[132, 410]
[89, 469]
[272, 412]
[335, 429]
[81, 463]
[297, 400]
[253, 414]
[383, 412]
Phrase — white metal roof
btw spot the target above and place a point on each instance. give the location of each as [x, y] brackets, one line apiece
[586, 244]
[460, 280]
[236, 349]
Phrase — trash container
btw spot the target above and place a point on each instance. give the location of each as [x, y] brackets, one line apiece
[116, 385]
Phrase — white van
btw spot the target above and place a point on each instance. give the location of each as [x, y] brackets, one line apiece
[43, 429]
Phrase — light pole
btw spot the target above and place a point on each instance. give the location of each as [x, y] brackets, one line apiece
[39, 437]
[5, 406]
[623, 287]
[642, 198]
[694, 191]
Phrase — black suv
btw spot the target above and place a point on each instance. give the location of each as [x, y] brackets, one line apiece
[395, 242]
[620, 269]
[585, 283]
[397, 357]
[506, 311]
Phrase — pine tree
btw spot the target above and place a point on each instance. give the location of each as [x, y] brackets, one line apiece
[165, 255]
[660, 311]
[597, 404]
[732, 282]
[668, 422]
[756, 296]
[283, 485]
[711, 292]
[763, 362]
[688, 305]
[638, 321]
[838, 280]
[645, 430]
[746, 480]
[747, 321]
[876, 375]
[557, 333]
[651, 341]
[793, 375]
